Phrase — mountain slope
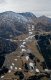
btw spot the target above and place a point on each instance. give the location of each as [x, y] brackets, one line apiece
[30, 16]
[44, 19]
[12, 24]
[43, 23]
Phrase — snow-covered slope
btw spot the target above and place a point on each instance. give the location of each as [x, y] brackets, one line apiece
[29, 16]
[12, 23]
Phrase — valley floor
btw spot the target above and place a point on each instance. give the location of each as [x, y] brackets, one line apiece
[26, 54]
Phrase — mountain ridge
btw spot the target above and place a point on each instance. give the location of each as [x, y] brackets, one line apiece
[13, 24]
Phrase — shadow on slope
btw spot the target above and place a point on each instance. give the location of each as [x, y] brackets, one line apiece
[44, 47]
[6, 47]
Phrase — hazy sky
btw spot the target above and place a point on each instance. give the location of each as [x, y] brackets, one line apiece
[38, 7]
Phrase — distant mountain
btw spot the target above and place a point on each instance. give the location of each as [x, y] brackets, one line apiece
[13, 24]
[44, 19]
[43, 23]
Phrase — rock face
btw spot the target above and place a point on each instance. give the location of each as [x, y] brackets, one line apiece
[6, 46]
[45, 48]
[20, 74]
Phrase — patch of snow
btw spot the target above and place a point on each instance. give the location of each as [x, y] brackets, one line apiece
[15, 59]
[27, 57]
[20, 40]
[2, 76]
[11, 40]
[14, 40]
[23, 50]
[9, 71]
[11, 67]
[31, 64]
[37, 70]
[30, 33]
[30, 37]
[24, 43]
[20, 69]
[32, 26]
[7, 39]
[15, 68]
[46, 70]
[23, 40]
[13, 64]
[27, 38]
[22, 46]
[34, 35]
